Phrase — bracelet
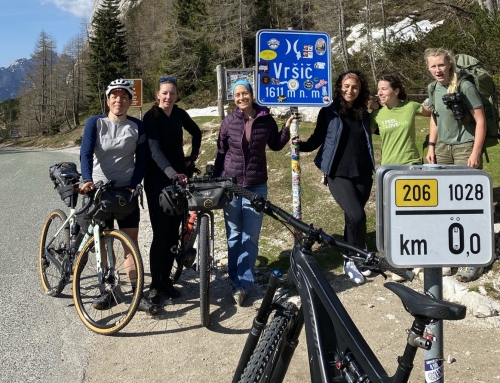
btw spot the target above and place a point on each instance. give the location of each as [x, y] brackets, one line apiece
[431, 143]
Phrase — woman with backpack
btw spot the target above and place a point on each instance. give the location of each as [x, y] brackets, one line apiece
[454, 141]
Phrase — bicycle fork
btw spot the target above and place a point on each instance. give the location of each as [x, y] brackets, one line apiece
[258, 325]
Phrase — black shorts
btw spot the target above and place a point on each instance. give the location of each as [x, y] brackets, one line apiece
[131, 221]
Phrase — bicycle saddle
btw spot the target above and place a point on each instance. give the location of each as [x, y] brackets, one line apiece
[422, 306]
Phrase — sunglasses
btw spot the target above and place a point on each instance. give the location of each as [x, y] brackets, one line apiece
[167, 79]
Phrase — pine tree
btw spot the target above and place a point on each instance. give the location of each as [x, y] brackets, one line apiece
[108, 58]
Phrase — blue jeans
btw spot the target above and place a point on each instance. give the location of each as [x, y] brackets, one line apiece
[243, 226]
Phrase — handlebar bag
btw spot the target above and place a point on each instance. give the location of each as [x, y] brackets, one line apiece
[208, 196]
[115, 203]
[65, 175]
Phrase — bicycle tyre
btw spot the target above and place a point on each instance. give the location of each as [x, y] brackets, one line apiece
[53, 280]
[262, 363]
[204, 259]
[123, 297]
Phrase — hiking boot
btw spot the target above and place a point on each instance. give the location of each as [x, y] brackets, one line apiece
[104, 301]
[169, 290]
[148, 307]
[353, 273]
[239, 296]
[469, 274]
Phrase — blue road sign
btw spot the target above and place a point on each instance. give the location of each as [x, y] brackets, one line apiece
[293, 68]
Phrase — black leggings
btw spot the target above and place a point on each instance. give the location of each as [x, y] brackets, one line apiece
[352, 194]
[165, 237]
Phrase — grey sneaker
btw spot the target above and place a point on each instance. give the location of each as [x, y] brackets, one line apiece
[239, 296]
[469, 274]
[145, 305]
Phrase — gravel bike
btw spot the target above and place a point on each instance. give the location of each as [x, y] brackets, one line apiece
[106, 265]
[337, 351]
[200, 196]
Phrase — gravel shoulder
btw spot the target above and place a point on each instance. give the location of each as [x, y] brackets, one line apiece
[174, 347]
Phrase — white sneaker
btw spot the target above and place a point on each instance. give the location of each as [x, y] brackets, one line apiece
[366, 273]
[353, 273]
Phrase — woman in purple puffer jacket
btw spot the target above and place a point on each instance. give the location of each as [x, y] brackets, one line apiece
[241, 152]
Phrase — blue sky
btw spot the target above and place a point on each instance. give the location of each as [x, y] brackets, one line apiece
[22, 21]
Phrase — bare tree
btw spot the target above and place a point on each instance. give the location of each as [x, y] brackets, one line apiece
[342, 36]
[369, 40]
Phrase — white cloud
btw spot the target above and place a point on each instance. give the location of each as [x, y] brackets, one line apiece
[78, 8]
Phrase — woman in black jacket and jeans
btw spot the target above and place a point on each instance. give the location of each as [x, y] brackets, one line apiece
[346, 156]
[164, 124]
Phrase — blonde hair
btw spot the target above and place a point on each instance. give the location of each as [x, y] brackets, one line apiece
[450, 59]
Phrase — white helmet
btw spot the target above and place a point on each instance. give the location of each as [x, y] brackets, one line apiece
[120, 84]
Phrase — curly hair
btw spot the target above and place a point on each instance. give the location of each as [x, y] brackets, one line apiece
[360, 104]
[395, 83]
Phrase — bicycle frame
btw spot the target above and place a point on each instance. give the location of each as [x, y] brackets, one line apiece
[337, 351]
[320, 302]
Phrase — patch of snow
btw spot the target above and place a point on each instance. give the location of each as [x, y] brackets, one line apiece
[405, 29]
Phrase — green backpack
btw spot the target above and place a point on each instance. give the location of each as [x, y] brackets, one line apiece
[469, 68]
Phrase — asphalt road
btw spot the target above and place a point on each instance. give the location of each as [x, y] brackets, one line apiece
[41, 338]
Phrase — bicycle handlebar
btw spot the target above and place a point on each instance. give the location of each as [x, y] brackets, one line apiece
[207, 179]
[369, 259]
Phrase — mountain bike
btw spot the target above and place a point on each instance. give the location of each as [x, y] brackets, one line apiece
[107, 288]
[201, 195]
[337, 351]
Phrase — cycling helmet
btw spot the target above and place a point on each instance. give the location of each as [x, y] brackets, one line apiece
[120, 84]
[173, 200]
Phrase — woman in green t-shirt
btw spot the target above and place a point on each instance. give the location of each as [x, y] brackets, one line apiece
[396, 123]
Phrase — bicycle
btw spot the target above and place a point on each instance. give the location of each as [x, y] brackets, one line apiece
[200, 197]
[107, 289]
[337, 350]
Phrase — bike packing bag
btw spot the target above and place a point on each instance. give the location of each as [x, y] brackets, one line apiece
[115, 203]
[65, 175]
[208, 196]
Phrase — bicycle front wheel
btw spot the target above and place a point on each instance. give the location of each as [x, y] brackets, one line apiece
[204, 257]
[51, 270]
[106, 306]
[265, 358]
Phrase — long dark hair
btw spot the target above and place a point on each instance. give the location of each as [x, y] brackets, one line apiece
[395, 83]
[359, 106]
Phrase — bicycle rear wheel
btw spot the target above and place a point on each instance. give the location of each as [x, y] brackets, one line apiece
[266, 355]
[51, 271]
[204, 258]
[107, 306]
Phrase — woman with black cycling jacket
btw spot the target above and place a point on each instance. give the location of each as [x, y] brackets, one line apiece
[346, 156]
[164, 124]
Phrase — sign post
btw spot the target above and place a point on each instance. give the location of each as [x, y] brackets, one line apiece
[293, 69]
[137, 99]
[433, 216]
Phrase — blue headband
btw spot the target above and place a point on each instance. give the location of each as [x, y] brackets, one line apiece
[245, 83]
